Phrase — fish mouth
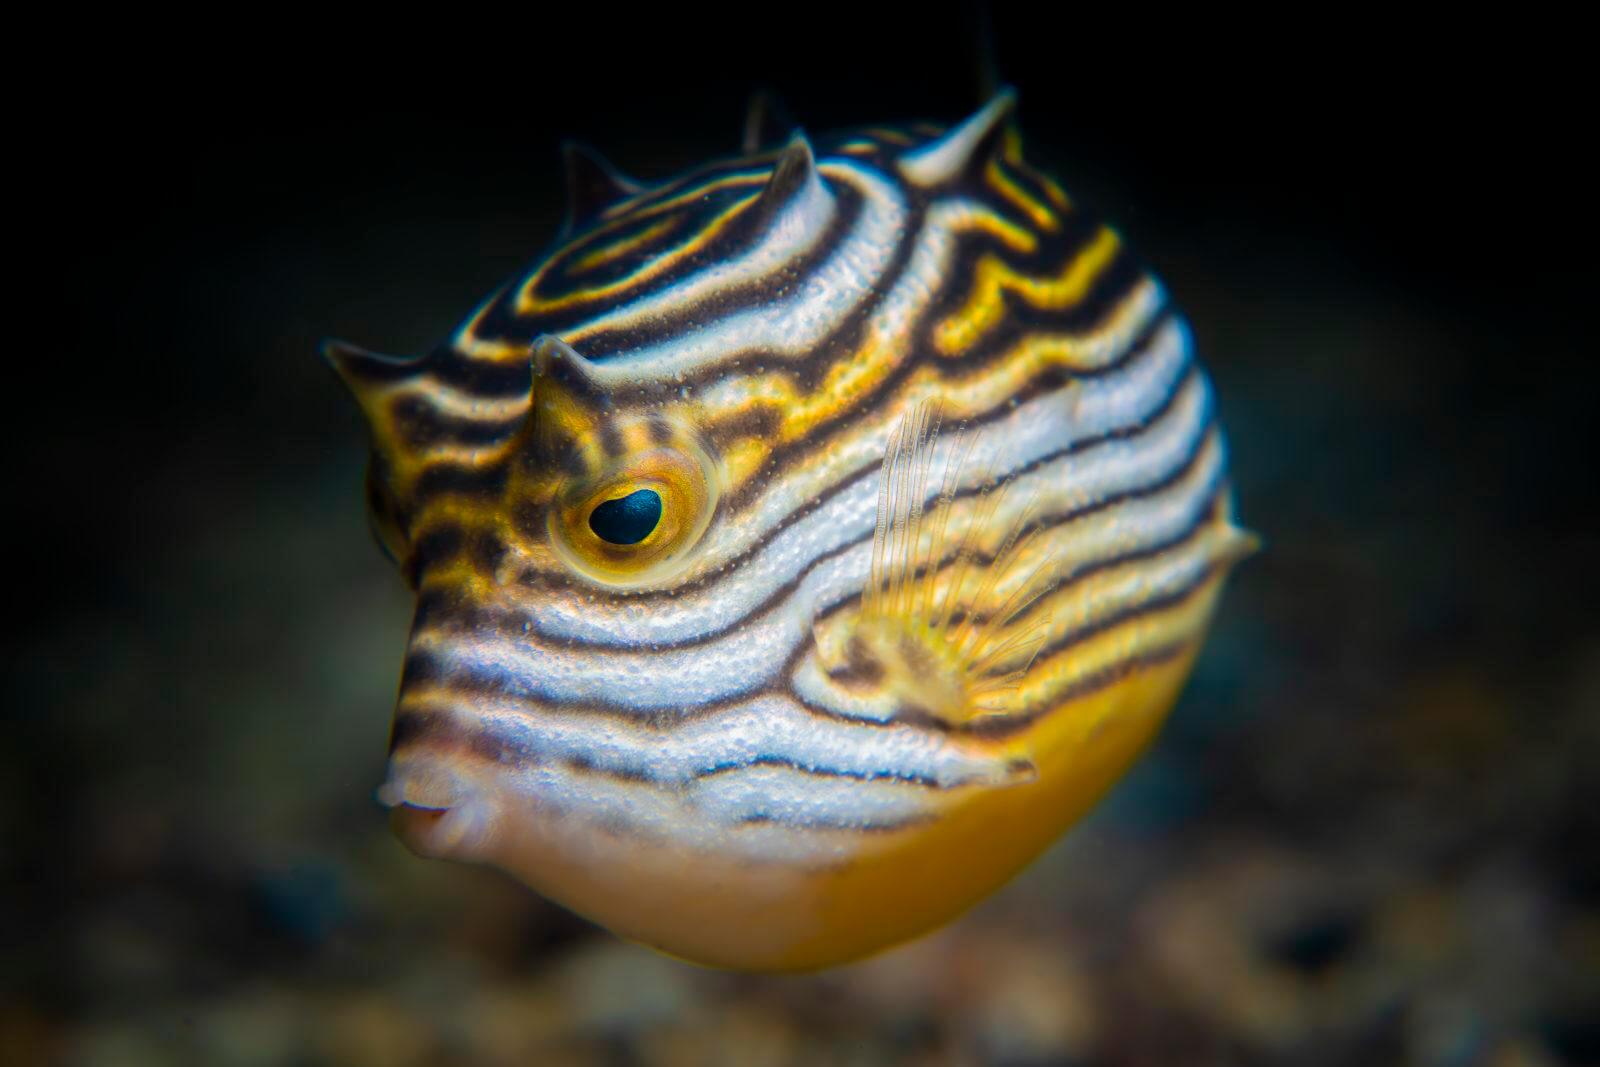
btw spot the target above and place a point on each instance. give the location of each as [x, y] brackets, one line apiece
[436, 814]
[436, 833]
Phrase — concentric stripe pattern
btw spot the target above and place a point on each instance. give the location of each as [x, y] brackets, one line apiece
[792, 321]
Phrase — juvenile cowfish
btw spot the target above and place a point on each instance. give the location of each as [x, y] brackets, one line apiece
[800, 545]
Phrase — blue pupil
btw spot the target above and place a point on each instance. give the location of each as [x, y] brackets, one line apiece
[626, 520]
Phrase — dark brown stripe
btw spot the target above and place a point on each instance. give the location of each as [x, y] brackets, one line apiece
[465, 618]
[1001, 726]
[871, 402]
[863, 827]
[475, 619]
[504, 325]
[428, 725]
[1008, 725]
[419, 425]
[1053, 252]
[422, 667]
[1047, 380]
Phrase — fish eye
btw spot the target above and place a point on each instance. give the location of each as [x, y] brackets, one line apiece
[636, 520]
[627, 520]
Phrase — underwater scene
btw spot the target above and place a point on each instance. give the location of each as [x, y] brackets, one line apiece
[922, 545]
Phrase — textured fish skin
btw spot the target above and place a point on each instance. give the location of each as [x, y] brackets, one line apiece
[941, 510]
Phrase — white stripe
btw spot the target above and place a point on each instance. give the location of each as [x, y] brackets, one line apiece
[702, 811]
[786, 794]
[796, 229]
[1041, 426]
[792, 324]
[864, 449]
[770, 725]
[652, 813]
[461, 404]
[747, 658]
[1125, 528]
[1137, 583]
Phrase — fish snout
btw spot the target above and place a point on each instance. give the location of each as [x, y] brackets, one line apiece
[436, 808]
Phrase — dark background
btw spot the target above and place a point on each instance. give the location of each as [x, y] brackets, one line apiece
[1368, 834]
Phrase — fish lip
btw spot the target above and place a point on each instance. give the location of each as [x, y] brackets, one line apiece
[437, 811]
[392, 794]
[463, 831]
[418, 828]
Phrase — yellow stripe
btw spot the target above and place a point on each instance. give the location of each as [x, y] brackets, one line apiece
[599, 257]
[889, 136]
[850, 381]
[1040, 215]
[984, 389]
[530, 304]
[1048, 681]
[994, 277]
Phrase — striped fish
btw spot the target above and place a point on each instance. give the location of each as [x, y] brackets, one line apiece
[799, 547]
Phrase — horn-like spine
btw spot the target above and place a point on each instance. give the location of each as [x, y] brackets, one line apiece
[797, 181]
[365, 373]
[556, 361]
[593, 185]
[571, 406]
[964, 150]
[766, 122]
